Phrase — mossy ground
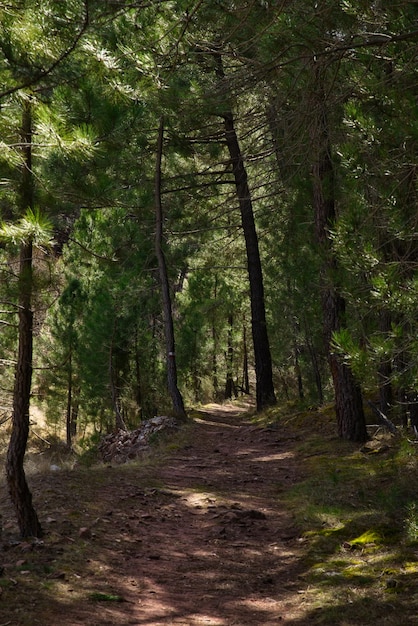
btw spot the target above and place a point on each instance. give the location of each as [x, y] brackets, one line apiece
[357, 512]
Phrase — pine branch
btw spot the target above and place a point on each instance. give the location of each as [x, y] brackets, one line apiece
[43, 73]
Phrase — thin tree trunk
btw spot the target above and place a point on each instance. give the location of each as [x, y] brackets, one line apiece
[114, 386]
[73, 396]
[215, 381]
[20, 494]
[229, 384]
[263, 365]
[400, 366]
[245, 375]
[119, 421]
[298, 372]
[138, 391]
[412, 399]
[69, 401]
[315, 365]
[348, 400]
[265, 395]
[176, 397]
[384, 371]
[74, 412]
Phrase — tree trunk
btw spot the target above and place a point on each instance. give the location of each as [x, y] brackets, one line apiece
[245, 374]
[20, 494]
[263, 365]
[215, 381]
[69, 400]
[73, 399]
[351, 423]
[265, 395]
[114, 385]
[138, 390]
[384, 371]
[229, 385]
[176, 397]
[315, 365]
[412, 399]
[74, 413]
[298, 372]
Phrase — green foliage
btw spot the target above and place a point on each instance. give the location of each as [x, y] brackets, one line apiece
[32, 227]
[98, 596]
[95, 111]
[411, 522]
[352, 354]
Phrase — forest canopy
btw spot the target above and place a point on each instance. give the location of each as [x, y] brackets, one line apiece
[206, 199]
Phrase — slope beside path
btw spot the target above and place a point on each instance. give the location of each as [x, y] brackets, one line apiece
[202, 538]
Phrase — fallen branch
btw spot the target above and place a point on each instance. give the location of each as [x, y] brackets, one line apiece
[3, 420]
[41, 438]
[383, 419]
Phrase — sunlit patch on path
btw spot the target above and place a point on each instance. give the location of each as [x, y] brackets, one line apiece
[201, 538]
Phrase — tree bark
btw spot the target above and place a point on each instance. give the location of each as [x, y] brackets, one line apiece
[384, 370]
[263, 365]
[73, 397]
[20, 494]
[315, 365]
[351, 423]
[245, 374]
[229, 384]
[114, 382]
[176, 397]
[138, 390]
[265, 395]
[298, 372]
[215, 381]
[74, 412]
[69, 433]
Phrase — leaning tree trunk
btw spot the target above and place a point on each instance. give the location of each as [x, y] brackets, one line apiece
[263, 365]
[176, 397]
[351, 423]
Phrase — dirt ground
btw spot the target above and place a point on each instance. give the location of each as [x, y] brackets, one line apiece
[199, 539]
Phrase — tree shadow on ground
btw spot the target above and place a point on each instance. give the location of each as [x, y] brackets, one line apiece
[200, 537]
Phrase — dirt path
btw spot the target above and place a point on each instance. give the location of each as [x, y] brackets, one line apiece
[200, 540]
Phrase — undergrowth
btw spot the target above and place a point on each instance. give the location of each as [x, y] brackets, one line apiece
[357, 513]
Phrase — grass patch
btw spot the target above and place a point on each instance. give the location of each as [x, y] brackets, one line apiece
[357, 514]
[105, 597]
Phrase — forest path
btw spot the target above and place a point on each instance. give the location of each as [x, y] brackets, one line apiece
[201, 539]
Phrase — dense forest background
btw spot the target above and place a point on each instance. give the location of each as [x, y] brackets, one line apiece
[238, 177]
